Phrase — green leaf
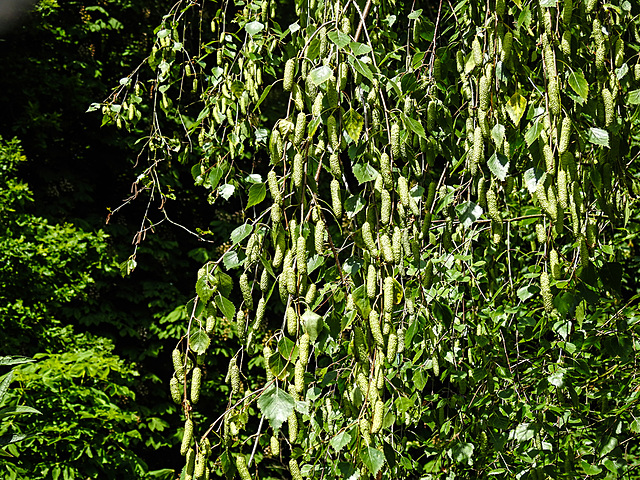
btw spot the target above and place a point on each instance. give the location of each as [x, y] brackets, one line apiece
[361, 300]
[516, 106]
[498, 134]
[226, 190]
[532, 178]
[253, 27]
[633, 97]
[263, 96]
[608, 446]
[533, 133]
[468, 213]
[320, 75]
[340, 441]
[579, 85]
[314, 262]
[359, 49]
[548, 3]
[364, 172]
[4, 384]
[226, 307]
[17, 410]
[590, 469]
[499, 166]
[9, 438]
[287, 348]
[353, 205]
[351, 265]
[312, 324]
[598, 136]
[353, 123]
[373, 459]
[199, 342]
[215, 176]
[415, 126]
[340, 39]
[415, 14]
[361, 67]
[276, 405]
[240, 233]
[557, 379]
[257, 193]
[463, 453]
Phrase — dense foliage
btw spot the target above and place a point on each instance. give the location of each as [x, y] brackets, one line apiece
[436, 267]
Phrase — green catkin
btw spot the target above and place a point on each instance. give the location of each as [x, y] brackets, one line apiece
[293, 428]
[332, 132]
[607, 99]
[201, 465]
[241, 326]
[545, 289]
[549, 159]
[492, 204]
[267, 353]
[332, 93]
[401, 339]
[274, 188]
[385, 207]
[310, 296]
[435, 365]
[294, 469]
[196, 381]
[298, 169]
[260, 314]
[396, 245]
[385, 170]
[431, 116]
[274, 443]
[299, 376]
[477, 51]
[477, 152]
[385, 246]
[280, 248]
[176, 393]
[316, 109]
[336, 201]
[378, 413]
[437, 69]
[431, 196]
[365, 430]
[178, 364]
[500, 5]
[343, 75]
[374, 326]
[245, 288]
[360, 348]
[567, 10]
[241, 465]
[554, 265]
[591, 234]
[372, 281]
[565, 43]
[264, 281]
[392, 347]
[507, 43]
[301, 124]
[292, 321]
[319, 234]
[367, 237]
[388, 294]
[394, 140]
[289, 70]
[483, 103]
[403, 190]
[305, 343]
[301, 256]
[190, 464]
[186, 437]
[565, 135]
[563, 198]
[290, 278]
[334, 164]
[619, 52]
[298, 98]
[554, 95]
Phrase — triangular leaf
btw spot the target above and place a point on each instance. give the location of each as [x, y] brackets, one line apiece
[340, 39]
[533, 133]
[226, 307]
[253, 27]
[340, 441]
[240, 233]
[633, 97]
[499, 166]
[468, 213]
[598, 136]
[532, 177]
[415, 126]
[516, 106]
[364, 172]
[579, 85]
[256, 194]
[373, 459]
[353, 123]
[498, 133]
[276, 405]
[199, 342]
[312, 324]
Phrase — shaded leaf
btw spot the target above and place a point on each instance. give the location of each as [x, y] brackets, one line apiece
[257, 193]
[340, 440]
[199, 342]
[364, 172]
[240, 233]
[468, 213]
[253, 27]
[499, 166]
[276, 405]
[320, 74]
[532, 177]
[340, 39]
[598, 136]
[579, 85]
[373, 459]
[226, 307]
[353, 123]
[312, 324]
